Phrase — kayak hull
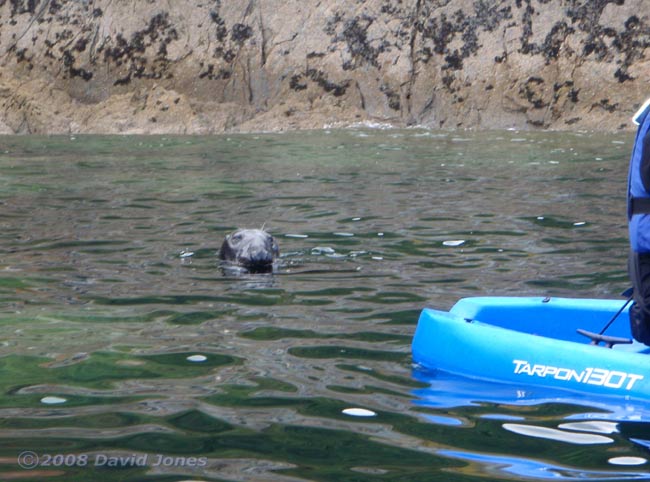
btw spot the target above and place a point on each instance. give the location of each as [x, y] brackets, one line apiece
[533, 341]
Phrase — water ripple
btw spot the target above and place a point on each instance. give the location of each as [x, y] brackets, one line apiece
[114, 306]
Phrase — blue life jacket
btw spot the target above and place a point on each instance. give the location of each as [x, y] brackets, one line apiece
[638, 186]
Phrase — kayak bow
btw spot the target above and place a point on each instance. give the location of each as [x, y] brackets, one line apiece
[535, 341]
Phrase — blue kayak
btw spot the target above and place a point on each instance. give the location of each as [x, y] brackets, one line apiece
[535, 341]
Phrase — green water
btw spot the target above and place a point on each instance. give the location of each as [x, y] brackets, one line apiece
[110, 284]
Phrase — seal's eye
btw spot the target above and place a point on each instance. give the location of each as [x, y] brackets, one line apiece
[237, 237]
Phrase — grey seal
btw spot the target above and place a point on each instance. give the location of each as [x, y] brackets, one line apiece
[255, 250]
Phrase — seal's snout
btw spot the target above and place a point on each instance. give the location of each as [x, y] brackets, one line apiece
[261, 256]
[253, 249]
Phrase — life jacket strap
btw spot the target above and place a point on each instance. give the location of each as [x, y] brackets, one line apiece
[639, 205]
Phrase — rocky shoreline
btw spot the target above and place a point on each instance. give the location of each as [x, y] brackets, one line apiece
[204, 67]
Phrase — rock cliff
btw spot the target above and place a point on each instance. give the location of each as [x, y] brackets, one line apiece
[209, 66]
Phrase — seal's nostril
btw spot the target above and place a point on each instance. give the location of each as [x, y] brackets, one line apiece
[261, 258]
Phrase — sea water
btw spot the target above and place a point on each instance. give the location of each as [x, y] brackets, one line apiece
[126, 353]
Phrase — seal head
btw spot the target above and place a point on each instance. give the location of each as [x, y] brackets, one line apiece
[253, 249]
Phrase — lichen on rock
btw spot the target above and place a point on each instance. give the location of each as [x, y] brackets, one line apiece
[208, 67]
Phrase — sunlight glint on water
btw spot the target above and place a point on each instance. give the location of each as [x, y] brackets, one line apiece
[126, 352]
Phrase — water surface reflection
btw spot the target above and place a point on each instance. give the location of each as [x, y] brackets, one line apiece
[120, 337]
